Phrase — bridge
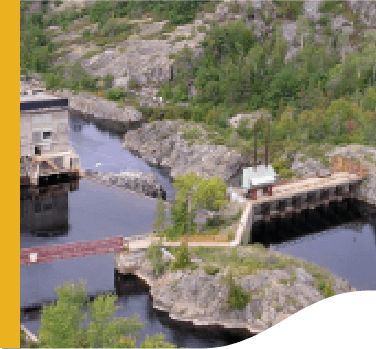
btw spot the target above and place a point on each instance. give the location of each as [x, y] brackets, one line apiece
[41, 254]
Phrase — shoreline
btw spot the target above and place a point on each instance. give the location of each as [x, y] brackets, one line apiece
[236, 330]
[186, 308]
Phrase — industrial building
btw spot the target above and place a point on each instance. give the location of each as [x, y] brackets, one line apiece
[45, 153]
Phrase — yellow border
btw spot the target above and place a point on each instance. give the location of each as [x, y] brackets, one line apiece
[10, 239]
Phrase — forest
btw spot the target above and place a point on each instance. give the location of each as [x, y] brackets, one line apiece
[322, 96]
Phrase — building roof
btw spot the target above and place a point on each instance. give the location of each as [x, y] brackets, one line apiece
[261, 176]
[32, 99]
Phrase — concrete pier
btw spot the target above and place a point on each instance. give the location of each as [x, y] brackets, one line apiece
[294, 198]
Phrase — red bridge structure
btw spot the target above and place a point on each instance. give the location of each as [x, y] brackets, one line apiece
[41, 254]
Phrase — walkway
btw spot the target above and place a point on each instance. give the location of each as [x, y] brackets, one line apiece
[41, 254]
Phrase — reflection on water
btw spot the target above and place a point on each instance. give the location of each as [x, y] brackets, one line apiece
[44, 210]
[339, 238]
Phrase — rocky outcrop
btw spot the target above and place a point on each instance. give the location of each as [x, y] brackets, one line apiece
[196, 297]
[252, 118]
[135, 181]
[161, 144]
[367, 156]
[102, 109]
[366, 11]
[306, 166]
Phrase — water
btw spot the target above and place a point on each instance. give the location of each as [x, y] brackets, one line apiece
[94, 211]
[339, 239]
[346, 245]
[103, 151]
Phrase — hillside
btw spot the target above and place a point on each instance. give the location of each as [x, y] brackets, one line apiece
[309, 65]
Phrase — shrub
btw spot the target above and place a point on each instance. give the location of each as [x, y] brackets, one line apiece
[133, 84]
[328, 290]
[116, 94]
[210, 270]
[155, 256]
[22, 337]
[237, 298]
[86, 33]
[182, 258]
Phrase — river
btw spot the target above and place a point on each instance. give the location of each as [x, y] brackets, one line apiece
[94, 211]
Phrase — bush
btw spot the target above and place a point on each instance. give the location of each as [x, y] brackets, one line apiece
[155, 256]
[237, 298]
[22, 337]
[133, 84]
[116, 94]
[86, 33]
[209, 270]
[182, 258]
[328, 290]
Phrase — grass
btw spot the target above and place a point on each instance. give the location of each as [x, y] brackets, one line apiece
[256, 260]
[323, 281]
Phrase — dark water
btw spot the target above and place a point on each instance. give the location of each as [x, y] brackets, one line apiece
[342, 241]
[338, 238]
[94, 211]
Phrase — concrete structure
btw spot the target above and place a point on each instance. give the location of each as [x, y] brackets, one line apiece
[44, 143]
[296, 197]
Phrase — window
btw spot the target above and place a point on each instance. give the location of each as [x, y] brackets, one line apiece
[47, 135]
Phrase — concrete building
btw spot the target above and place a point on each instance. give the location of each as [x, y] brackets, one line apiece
[44, 143]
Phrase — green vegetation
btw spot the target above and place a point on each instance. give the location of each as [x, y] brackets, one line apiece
[133, 84]
[210, 270]
[312, 98]
[323, 281]
[208, 194]
[237, 298]
[116, 94]
[155, 256]
[289, 9]
[62, 323]
[182, 258]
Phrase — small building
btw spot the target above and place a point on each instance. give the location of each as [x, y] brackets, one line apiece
[258, 177]
[44, 143]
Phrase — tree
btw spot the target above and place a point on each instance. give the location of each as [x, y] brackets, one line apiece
[159, 223]
[212, 194]
[157, 341]
[286, 127]
[337, 117]
[285, 85]
[62, 324]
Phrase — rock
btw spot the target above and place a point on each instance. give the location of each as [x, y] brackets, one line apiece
[253, 117]
[160, 144]
[100, 108]
[136, 181]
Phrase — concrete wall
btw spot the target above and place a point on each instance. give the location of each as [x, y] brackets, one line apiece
[34, 123]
